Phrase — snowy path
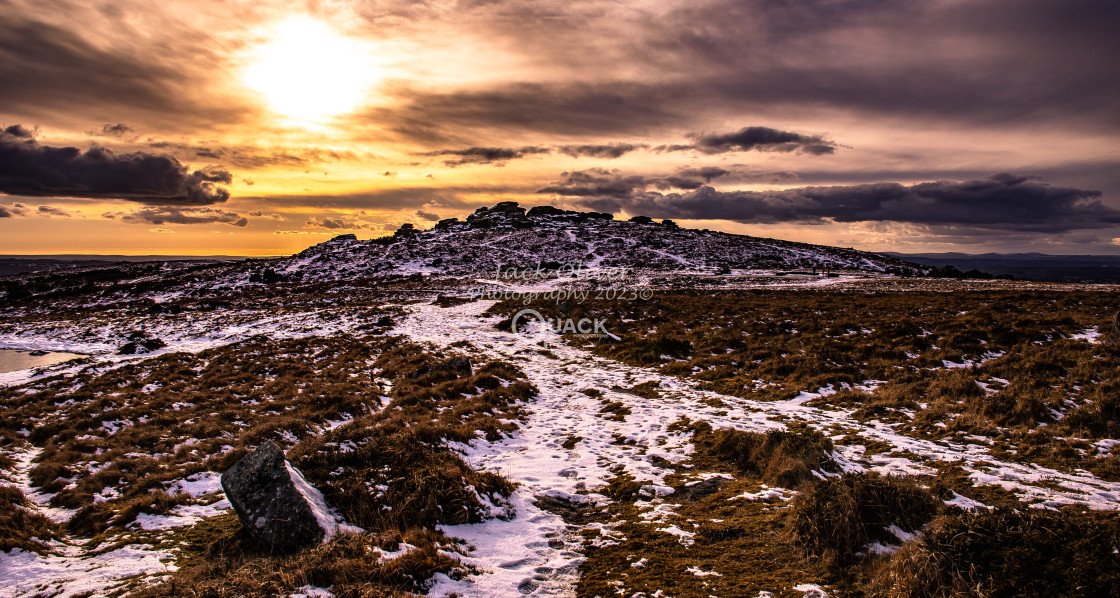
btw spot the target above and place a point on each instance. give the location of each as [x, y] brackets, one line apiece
[535, 554]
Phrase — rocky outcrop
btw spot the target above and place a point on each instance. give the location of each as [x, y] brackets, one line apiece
[275, 503]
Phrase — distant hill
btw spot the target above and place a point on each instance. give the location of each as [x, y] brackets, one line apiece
[1027, 266]
[20, 264]
[505, 236]
[508, 234]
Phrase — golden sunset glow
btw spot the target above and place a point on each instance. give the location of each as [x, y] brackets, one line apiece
[308, 71]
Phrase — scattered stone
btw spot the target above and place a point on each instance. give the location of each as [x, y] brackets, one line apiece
[719, 533]
[700, 489]
[141, 346]
[573, 513]
[460, 366]
[275, 503]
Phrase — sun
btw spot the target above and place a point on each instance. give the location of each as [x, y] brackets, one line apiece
[310, 72]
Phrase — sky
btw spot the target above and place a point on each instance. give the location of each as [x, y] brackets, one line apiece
[260, 127]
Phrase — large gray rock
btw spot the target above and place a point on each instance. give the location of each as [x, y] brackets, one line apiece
[275, 503]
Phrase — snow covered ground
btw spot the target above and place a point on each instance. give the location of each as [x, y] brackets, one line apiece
[535, 458]
[535, 552]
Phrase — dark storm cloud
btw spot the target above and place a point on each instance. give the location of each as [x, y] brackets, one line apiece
[616, 150]
[177, 215]
[983, 62]
[706, 172]
[750, 138]
[549, 108]
[1002, 201]
[763, 139]
[429, 216]
[33, 170]
[5, 212]
[487, 155]
[54, 73]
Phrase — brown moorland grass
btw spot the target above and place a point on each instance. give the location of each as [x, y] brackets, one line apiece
[838, 517]
[356, 414]
[1006, 553]
[20, 526]
[1026, 369]
[779, 457]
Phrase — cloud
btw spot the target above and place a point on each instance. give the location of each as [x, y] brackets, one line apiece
[19, 132]
[615, 150]
[11, 211]
[339, 224]
[33, 170]
[748, 138]
[1000, 202]
[602, 183]
[961, 65]
[81, 65]
[269, 216]
[486, 155]
[163, 231]
[707, 172]
[427, 215]
[597, 183]
[763, 139]
[160, 215]
[53, 211]
[119, 130]
[253, 157]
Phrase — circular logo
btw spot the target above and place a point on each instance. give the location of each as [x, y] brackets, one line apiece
[529, 313]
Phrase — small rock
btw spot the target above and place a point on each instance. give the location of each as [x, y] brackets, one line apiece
[384, 321]
[700, 489]
[460, 366]
[141, 346]
[275, 503]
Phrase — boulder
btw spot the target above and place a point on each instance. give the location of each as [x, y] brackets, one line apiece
[547, 211]
[275, 503]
